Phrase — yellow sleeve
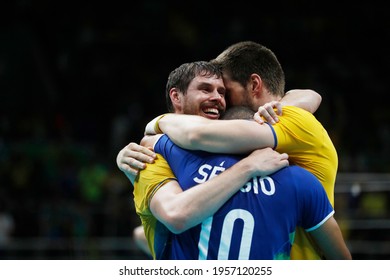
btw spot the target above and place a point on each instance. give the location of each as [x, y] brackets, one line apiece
[308, 145]
[149, 181]
[153, 177]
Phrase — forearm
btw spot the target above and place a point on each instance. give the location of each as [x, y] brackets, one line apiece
[216, 136]
[189, 208]
[180, 210]
[306, 99]
[182, 128]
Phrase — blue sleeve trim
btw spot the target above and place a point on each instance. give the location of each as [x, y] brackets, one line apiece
[274, 134]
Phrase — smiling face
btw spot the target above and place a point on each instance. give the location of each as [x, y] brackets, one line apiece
[205, 97]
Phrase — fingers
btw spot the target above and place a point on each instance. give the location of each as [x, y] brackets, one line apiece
[135, 163]
[268, 161]
[258, 118]
[129, 171]
[133, 158]
[282, 160]
[138, 148]
[284, 156]
[139, 153]
[267, 112]
[131, 167]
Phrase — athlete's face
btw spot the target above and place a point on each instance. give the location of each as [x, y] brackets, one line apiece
[236, 94]
[205, 97]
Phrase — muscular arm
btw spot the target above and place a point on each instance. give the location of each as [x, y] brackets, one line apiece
[224, 136]
[133, 157]
[329, 238]
[179, 210]
[306, 99]
[217, 136]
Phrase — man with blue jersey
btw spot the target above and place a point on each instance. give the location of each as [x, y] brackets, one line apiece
[257, 222]
[253, 76]
[193, 88]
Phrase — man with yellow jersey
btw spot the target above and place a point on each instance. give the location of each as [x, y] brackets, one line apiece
[297, 133]
[258, 90]
[193, 88]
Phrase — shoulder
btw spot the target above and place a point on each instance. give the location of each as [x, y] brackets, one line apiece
[297, 175]
[292, 111]
[294, 170]
[298, 124]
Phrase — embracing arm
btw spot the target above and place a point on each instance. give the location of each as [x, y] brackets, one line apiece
[234, 136]
[330, 239]
[132, 158]
[180, 210]
[306, 99]
[217, 136]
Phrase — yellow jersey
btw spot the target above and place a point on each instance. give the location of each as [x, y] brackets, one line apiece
[153, 177]
[299, 134]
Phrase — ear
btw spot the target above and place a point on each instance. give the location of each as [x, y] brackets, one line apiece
[256, 84]
[175, 98]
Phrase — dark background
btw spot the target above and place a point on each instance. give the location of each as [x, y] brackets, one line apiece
[78, 81]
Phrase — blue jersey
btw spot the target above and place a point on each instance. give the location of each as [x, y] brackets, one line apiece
[258, 222]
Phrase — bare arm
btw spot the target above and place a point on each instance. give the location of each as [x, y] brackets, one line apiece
[140, 239]
[234, 136]
[217, 136]
[132, 158]
[330, 239]
[306, 99]
[179, 210]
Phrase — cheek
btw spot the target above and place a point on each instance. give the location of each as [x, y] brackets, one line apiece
[191, 106]
[233, 100]
[224, 102]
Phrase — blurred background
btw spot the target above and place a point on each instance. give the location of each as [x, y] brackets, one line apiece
[80, 81]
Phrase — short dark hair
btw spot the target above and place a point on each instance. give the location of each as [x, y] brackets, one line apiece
[238, 113]
[182, 76]
[242, 59]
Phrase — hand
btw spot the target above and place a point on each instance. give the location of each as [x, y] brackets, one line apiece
[268, 113]
[133, 158]
[266, 161]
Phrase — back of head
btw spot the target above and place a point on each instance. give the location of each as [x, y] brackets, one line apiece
[242, 59]
[182, 76]
[238, 113]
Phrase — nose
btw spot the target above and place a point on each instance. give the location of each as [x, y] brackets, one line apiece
[218, 99]
[216, 95]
